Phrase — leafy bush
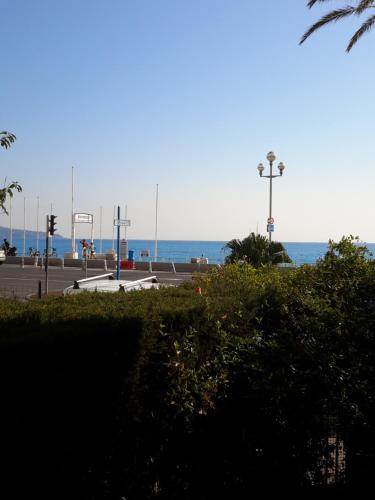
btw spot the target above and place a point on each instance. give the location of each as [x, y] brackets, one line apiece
[67, 366]
[168, 394]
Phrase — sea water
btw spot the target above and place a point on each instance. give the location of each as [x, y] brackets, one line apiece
[180, 251]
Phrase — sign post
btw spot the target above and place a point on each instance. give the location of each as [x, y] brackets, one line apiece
[118, 243]
[80, 218]
[119, 222]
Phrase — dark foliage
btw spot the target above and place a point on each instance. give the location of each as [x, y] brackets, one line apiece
[256, 250]
[336, 15]
[165, 394]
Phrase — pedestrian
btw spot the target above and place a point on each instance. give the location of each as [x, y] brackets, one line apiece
[85, 247]
[92, 250]
[6, 246]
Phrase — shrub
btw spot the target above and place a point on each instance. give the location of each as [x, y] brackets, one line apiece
[172, 395]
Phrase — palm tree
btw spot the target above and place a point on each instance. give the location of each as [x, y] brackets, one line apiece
[337, 14]
[256, 250]
[6, 140]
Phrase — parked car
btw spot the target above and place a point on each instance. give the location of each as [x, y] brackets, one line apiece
[2, 256]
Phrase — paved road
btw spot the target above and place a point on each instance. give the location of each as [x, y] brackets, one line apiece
[18, 282]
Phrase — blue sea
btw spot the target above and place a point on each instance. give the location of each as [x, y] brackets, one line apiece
[183, 251]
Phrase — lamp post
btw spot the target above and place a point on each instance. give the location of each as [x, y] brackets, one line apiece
[271, 158]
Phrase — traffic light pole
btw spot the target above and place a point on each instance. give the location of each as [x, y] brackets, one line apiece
[118, 243]
[50, 231]
[47, 254]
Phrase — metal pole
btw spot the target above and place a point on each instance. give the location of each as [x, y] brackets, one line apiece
[92, 229]
[126, 216]
[100, 230]
[72, 229]
[118, 243]
[156, 224]
[37, 224]
[10, 222]
[270, 232]
[113, 228]
[51, 241]
[24, 226]
[47, 252]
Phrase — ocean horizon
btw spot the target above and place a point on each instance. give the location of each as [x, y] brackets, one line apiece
[178, 250]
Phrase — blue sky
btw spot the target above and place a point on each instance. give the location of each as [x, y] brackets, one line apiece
[189, 94]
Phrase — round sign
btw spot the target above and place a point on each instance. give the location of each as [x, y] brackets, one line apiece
[270, 220]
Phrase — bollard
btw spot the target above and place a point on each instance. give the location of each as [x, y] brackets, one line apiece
[198, 291]
[22, 262]
[174, 269]
[40, 289]
[62, 263]
[105, 265]
[36, 261]
[150, 267]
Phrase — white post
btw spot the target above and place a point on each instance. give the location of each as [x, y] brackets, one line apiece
[100, 230]
[24, 226]
[156, 224]
[10, 222]
[73, 236]
[92, 229]
[126, 216]
[37, 224]
[113, 227]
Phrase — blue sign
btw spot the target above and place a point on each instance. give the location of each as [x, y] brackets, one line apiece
[270, 228]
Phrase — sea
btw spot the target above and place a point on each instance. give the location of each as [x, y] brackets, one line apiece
[179, 250]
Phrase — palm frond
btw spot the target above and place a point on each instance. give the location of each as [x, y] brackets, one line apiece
[333, 16]
[311, 3]
[366, 26]
[364, 5]
[6, 139]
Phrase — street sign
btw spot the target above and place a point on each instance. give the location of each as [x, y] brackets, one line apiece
[123, 249]
[270, 228]
[270, 220]
[87, 218]
[122, 222]
[145, 253]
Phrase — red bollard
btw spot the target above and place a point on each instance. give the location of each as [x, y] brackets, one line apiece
[198, 291]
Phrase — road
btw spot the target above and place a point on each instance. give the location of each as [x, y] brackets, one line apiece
[18, 282]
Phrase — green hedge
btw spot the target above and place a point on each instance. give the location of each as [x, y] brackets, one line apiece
[67, 366]
[167, 394]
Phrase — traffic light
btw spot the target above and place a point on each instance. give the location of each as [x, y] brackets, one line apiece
[52, 224]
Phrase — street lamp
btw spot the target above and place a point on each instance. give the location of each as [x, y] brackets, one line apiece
[271, 158]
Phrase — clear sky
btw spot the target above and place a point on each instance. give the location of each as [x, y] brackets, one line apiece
[189, 94]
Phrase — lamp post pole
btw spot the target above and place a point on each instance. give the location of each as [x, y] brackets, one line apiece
[271, 158]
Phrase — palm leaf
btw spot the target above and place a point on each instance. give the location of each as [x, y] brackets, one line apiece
[6, 139]
[331, 17]
[366, 26]
[257, 250]
[311, 3]
[364, 5]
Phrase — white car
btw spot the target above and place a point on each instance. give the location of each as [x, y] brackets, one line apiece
[106, 283]
[2, 256]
